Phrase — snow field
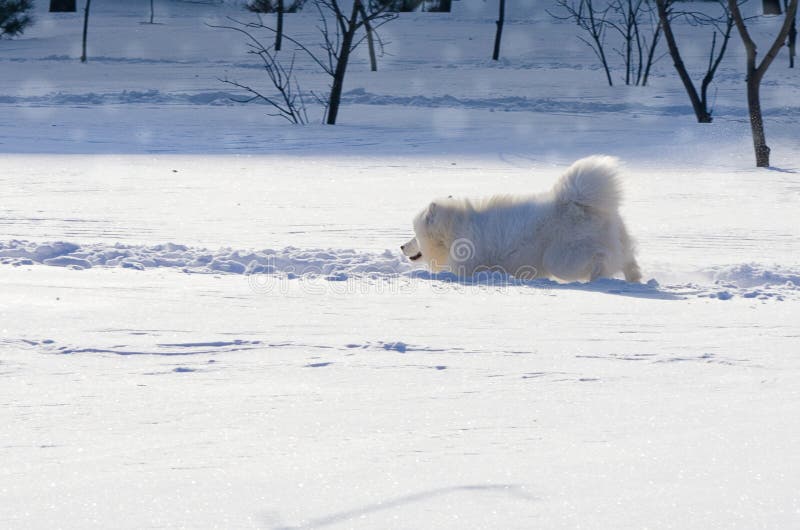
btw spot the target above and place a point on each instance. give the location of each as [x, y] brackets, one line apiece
[206, 322]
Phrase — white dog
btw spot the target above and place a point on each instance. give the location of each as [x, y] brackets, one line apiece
[573, 232]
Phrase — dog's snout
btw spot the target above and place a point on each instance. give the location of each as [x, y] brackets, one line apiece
[410, 248]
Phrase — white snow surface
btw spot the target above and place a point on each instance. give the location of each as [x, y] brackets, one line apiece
[206, 321]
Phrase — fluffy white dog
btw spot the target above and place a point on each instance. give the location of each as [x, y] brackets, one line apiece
[573, 232]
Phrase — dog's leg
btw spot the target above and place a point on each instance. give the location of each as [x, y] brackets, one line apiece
[632, 272]
[630, 267]
[599, 268]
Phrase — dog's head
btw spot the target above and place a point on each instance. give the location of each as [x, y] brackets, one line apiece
[433, 227]
[411, 249]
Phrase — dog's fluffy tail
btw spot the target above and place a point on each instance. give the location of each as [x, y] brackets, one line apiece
[591, 182]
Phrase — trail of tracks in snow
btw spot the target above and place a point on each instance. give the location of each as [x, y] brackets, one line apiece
[574, 105]
[748, 280]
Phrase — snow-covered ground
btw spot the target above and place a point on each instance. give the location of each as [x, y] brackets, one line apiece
[205, 319]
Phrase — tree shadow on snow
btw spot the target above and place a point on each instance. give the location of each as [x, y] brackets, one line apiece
[510, 490]
[781, 170]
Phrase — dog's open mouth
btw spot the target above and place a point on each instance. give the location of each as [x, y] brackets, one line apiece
[416, 256]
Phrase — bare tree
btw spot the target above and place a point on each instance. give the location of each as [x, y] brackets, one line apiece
[634, 20]
[289, 103]
[593, 21]
[723, 24]
[340, 47]
[628, 30]
[755, 73]
[639, 51]
[651, 46]
[340, 38]
[499, 33]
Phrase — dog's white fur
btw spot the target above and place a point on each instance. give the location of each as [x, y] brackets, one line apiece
[573, 232]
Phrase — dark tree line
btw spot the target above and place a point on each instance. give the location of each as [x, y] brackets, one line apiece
[638, 24]
[14, 17]
[63, 6]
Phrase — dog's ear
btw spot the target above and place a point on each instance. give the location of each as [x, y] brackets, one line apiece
[430, 215]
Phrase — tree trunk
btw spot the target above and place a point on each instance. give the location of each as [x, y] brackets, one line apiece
[63, 6]
[279, 30]
[628, 43]
[85, 28]
[639, 53]
[713, 63]
[341, 65]
[152, 11]
[792, 37]
[338, 78]
[628, 61]
[650, 54]
[373, 61]
[596, 31]
[499, 34]
[700, 111]
[757, 121]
